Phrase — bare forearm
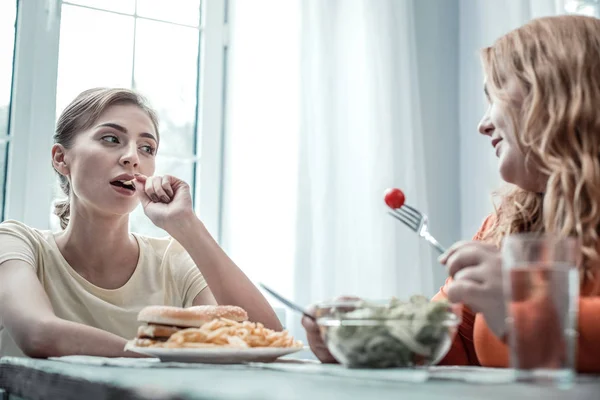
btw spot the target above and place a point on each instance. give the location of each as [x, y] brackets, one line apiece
[31, 322]
[226, 280]
[63, 338]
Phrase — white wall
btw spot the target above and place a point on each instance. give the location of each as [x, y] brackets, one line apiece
[460, 166]
[478, 173]
[436, 24]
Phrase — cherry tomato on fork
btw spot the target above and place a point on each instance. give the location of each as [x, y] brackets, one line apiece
[394, 198]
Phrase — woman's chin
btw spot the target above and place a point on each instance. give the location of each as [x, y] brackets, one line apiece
[123, 208]
[524, 182]
[506, 173]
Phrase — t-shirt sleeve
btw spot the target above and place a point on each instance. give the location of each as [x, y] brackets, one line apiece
[188, 278]
[17, 242]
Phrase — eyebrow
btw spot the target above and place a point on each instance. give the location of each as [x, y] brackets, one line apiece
[122, 129]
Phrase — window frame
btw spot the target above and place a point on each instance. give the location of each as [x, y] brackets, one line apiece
[5, 135]
[30, 178]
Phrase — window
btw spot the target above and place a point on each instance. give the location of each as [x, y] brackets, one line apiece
[8, 16]
[172, 52]
[259, 223]
[147, 39]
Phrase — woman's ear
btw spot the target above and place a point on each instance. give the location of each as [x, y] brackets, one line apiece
[58, 160]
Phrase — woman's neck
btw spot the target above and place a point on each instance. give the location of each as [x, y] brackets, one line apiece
[99, 247]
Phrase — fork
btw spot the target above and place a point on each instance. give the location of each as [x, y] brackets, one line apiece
[417, 222]
[288, 303]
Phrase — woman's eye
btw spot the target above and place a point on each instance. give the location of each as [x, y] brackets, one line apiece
[148, 149]
[110, 139]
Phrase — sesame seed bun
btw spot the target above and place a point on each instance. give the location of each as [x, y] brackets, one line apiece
[195, 316]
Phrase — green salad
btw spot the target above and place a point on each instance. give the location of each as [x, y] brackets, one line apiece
[399, 334]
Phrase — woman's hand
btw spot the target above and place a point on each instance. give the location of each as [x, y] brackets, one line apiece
[315, 341]
[166, 199]
[477, 271]
[168, 203]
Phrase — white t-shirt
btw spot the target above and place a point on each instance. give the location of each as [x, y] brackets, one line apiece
[165, 275]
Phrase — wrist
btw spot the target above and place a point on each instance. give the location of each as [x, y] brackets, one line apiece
[184, 226]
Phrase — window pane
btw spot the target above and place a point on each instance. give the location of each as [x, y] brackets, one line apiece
[8, 14]
[180, 11]
[167, 50]
[96, 49]
[138, 221]
[171, 166]
[124, 6]
[8, 11]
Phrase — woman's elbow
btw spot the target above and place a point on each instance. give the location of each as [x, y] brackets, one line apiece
[274, 323]
[40, 342]
[277, 326]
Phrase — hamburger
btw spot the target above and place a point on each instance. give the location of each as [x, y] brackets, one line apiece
[160, 322]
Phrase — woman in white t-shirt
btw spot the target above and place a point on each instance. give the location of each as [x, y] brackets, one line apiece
[79, 291]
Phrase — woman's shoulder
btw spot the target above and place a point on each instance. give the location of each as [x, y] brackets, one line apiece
[17, 228]
[14, 225]
[19, 241]
[486, 226]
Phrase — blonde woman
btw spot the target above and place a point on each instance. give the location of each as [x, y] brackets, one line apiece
[79, 291]
[543, 120]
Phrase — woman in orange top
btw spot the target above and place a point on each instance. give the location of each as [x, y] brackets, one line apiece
[543, 88]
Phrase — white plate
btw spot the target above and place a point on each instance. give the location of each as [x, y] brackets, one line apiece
[214, 355]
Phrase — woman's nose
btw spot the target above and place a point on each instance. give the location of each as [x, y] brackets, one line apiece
[130, 157]
[486, 127]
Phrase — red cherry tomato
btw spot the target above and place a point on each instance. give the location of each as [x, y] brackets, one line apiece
[394, 198]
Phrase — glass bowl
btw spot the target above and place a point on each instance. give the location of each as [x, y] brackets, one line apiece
[389, 333]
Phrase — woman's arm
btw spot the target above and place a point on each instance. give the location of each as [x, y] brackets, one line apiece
[205, 298]
[26, 312]
[227, 283]
[462, 351]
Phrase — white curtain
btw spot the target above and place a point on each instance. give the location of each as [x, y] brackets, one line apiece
[323, 114]
[361, 132]
[261, 143]
[330, 102]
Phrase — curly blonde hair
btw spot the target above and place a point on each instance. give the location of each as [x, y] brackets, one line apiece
[556, 63]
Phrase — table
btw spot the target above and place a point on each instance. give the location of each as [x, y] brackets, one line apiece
[32, 379]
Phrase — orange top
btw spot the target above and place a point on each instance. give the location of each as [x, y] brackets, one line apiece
[475, 344]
